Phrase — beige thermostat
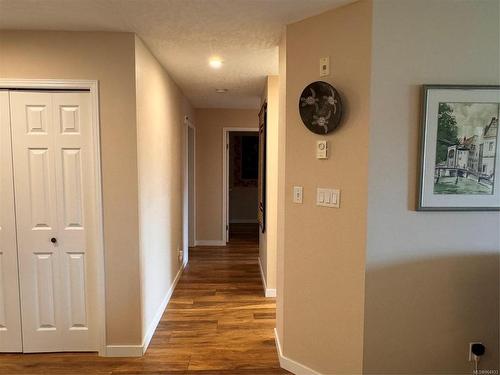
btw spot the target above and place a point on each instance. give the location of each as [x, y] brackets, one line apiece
[321, 149]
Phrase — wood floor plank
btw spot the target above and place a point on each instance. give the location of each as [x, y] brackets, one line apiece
[218, 322]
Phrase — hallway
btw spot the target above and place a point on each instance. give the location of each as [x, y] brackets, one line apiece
[217, 322]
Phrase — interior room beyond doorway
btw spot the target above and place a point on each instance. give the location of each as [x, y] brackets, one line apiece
[242, 179]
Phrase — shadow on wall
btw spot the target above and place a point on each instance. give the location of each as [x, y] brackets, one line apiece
[420, 316]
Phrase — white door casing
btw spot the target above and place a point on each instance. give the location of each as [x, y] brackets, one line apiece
[53, 179]
[226, 183]
[10, 314]
[191, 186]
[225, 177]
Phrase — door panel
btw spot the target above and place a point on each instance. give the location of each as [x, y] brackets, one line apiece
[72, 189]
[53, 183]
[34, 170]
[44, 268]
[42, 208]
[71, 113]
[10, 314]
[78, 310]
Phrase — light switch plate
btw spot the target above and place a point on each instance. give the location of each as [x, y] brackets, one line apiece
[322, 149]
[297, 194]
[328, 197]
[324, 66]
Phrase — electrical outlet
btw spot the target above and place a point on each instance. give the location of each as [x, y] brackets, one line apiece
[181, 254]
[471, 355]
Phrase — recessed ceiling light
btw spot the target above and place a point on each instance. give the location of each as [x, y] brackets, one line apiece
[221, 91]
[215, 62]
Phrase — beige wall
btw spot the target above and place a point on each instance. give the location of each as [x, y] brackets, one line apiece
[243, 204]
[280, 222]
[209, 125]
[268, 241]
[161, 108]
[324, 258]
[432, 277]
[109, 58]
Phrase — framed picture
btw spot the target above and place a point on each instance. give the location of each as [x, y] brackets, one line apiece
[460, 155]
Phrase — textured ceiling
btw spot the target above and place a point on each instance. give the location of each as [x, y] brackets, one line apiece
[183, 34]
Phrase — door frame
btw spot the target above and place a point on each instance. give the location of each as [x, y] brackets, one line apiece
[188, 124]
[93, 87]
[225, 177]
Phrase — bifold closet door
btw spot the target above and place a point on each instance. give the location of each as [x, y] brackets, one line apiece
[51, 137]
[10, 315]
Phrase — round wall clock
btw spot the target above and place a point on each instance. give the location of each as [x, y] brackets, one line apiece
[320, 107]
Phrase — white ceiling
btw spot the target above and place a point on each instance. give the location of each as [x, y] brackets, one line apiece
[183, 34]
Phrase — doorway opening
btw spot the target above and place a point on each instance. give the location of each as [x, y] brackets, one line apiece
[241, 185]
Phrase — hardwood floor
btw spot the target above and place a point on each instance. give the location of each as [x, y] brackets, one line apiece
[217, 322]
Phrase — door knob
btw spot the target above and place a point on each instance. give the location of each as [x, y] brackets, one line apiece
[53, 240]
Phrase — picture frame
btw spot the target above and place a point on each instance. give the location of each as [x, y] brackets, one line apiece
[460, 152]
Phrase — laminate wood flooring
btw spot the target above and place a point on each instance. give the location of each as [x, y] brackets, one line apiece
[217, 322]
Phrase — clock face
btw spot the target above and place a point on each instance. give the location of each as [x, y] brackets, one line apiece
[320, 107]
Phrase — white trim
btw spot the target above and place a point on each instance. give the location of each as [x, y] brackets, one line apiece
[270, 293]
[40, 84]
[93, 87]
[210, 243]
[159, 313]
[123, 351]
[140, 350]
[243, 221]
[188, 124]
[264, 284]
[289, 364]
[267, 291]
[225, 179]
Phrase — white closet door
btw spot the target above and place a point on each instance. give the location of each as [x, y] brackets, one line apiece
[10, 314]
[75, 214]
[51, 136]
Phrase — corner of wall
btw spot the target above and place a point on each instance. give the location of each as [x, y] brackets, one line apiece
[160, 154]
[428, 295]
[324, 268]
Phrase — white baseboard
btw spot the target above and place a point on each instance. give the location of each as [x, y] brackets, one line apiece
[267, 291]
[262, 275]
[270, 292]
[139, 350]
[210, 243]
[159, 313]
[123, 351]
[243, 221]
[289, 364]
